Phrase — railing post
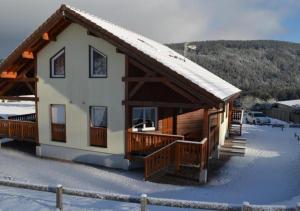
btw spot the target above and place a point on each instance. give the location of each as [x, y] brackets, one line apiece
[144, 202]
[177, 156]
[59, 195]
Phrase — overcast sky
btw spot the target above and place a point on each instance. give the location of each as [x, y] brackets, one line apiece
[164, 20]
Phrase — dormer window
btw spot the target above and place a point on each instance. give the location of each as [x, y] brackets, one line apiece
[98, 64]
[57, 65]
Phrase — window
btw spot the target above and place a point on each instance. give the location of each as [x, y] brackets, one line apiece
[58, 123]
[98, 64]
[57, 65]
[98, 126]
[144, 118]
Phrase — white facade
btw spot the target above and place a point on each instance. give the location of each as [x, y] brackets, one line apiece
[224, 125]
[78, 92]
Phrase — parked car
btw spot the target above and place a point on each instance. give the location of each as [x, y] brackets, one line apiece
[255, 117]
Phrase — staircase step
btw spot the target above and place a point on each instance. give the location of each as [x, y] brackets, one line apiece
[231, 150]
[234, 146]
[235, 142]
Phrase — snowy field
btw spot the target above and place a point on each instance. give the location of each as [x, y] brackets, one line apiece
[16, 108]
[269, 173]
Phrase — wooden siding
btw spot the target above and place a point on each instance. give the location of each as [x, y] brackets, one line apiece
[190, 125]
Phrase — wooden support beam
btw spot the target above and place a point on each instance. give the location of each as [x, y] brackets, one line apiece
[21, 80]
[162, 104]
[27, 55]
[181, 92]
[17, 98]
[144, 79]
[30, 88]
[137, 87]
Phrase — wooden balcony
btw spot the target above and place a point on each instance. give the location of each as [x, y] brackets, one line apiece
[58, 132]
[98, 136]
[19, 130]
[236, 122]
[237, 116]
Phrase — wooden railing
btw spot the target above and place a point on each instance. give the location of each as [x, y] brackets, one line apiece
[24, 117]
[149, 142]
[20, 130]
[176, 154]
[58, 132]
[237, 116]
[98, 136]
[213, 139]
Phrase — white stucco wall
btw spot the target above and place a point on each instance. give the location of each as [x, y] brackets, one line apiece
[223, 126]
[77, 91]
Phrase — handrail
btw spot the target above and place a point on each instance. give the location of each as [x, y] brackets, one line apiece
[178, 141]
[158, 134]
[139, 142]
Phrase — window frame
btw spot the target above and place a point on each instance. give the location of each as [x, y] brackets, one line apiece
[51, 122]
[90, 109]
[145, 129]
[91, 57]
[102, 145]
[52, 75]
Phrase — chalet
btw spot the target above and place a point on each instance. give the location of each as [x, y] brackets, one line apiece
[108, 96]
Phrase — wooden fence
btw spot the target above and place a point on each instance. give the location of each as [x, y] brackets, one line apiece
[149, 142]
[20, 130]
[24, 117]
[144, 200]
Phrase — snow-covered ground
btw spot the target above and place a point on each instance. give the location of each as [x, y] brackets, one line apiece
[16, 108]
[269, 173]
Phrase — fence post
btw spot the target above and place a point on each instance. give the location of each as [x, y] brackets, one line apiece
[298, 207]
[59, 195]
[144, 202]
[246, 206]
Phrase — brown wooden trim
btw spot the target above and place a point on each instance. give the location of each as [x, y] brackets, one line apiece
[19, 98]
[162, 104]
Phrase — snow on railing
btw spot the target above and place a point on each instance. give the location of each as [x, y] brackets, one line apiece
[144, 200]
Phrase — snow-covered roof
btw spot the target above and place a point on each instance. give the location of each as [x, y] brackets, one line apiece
[292, 103]
[168, 57]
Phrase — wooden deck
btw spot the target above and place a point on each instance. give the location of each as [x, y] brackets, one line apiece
[162, 152]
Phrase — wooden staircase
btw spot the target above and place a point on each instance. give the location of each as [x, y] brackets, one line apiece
[166, 154]
[174, 156]
[233, 147]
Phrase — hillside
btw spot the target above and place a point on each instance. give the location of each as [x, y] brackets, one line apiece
[263, 69]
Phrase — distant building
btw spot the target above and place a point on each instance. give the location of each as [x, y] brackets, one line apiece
[288, 111]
